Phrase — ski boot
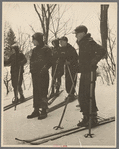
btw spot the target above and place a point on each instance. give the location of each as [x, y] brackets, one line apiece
[14, 101]
[57, 92]
[42, 115]
[94, 120]
[35, 113]
[22, 98]
[51, 95]
[84, 122]
[57, 87]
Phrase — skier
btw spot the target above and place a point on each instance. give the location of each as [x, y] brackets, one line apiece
[57, 67]
[17, 61]
[40, 62]
[90, 53]
[71, 62]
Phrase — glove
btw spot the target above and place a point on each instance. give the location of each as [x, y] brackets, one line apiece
[78, 68]
[67, 63]
[93, 64]
[62, 55]
[57, 61]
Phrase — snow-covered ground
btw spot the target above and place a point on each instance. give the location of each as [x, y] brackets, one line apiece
[16, 125]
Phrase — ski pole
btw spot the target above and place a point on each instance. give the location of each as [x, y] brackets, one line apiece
[90, 109]
[17, 88]
[67, 101]
[71, 76]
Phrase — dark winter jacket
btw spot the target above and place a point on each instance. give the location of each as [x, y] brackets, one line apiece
[90, 53]
[40, 60]
[70, 55]
[16, 60]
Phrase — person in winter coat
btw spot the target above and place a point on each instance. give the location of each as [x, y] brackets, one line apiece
[90, 53]
[71, 62]
[40, 62]
[57, 66]
[17, 61]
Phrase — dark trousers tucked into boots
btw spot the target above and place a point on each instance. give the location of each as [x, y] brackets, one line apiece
[17, 85]
[40, 91]
[84, 92]
[35, 113]
[84, 99]
[43, 114]
[85, 120]
[56, 78]
[56, 84]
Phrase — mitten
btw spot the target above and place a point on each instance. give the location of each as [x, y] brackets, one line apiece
[93, 63]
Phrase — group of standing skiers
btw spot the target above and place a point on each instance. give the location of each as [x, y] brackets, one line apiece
[63, 59]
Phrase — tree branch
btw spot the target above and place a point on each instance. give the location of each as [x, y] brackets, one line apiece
[40, 18]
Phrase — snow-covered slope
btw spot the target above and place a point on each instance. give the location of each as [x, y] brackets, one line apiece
[16, 125]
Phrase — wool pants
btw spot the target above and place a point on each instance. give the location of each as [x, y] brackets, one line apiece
[84, 93]
[40, 90]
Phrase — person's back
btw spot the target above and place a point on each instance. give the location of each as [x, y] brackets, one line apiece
[17, 61]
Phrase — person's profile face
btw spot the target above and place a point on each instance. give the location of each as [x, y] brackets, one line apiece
[80, 35]
[53, 44]
[63, 43]
[35, 42]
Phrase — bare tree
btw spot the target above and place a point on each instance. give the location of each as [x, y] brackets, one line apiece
[44, 12]
[24, 42]
[104, 25]
[53, 21]
[9, 39]
[7, 79]
[109, 44]
[59, 24]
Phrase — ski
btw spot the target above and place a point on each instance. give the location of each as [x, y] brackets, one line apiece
[26, 99]
[61, 104]
[13, 104]
[47, 135]
[55, 107]
[53, 136]
[53, 98]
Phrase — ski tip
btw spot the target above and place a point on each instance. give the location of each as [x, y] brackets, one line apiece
[18, 139]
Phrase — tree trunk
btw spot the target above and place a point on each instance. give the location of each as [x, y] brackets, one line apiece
[104, 25]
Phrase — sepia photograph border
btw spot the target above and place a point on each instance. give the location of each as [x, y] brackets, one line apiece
[117, 63]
